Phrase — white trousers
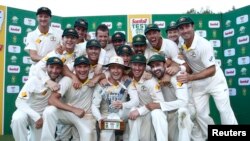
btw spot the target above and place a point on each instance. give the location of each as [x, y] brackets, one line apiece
[85, 126]
[218, 89]
[145, 127]
[20, 123]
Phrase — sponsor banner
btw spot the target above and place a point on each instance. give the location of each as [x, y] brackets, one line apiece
[244, 81]
[29, 21]
[56, 25]
[137, 25]
[13, 69]
[161, 24]
[92, 35]
[214, 24]
[27, 60]
[3, 29]
[230, 72]
[242, 19]
[15, 29]
[232, 91]
[229, 52]
[24, 79]
[215, 43]
[202, 33]
[13, 89]
[244, 60]
[228, 33]
[243, 40]
[14, 49]
[108, 24]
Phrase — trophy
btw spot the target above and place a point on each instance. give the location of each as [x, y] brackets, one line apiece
[113, 122]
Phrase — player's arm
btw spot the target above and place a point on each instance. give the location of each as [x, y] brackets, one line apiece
[76, 82]
[208, 72]
[34, 56]
[96, 101]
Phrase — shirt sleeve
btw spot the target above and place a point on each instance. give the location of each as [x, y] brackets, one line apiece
[30, 42]
[96, 101]
[102, 57]
[22, 102]
[207, 56]
[134, 99]
[65, 84]
[181, 92]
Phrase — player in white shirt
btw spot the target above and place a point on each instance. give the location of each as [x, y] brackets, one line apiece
[118, 39]
[143, 123]
[31, 102]
[207, 78]
[178, 104]
[44, 39]
[75, 107]
[112, 98]
[102, 35]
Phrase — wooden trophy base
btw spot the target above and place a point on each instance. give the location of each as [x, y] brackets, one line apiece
[109, 124]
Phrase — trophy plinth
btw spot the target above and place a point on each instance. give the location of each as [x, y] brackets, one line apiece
[113, 122]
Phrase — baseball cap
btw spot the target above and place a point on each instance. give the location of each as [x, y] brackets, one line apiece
[139, 40]
[116, 60]
[70, 31]
[138, 58]
[151, 27]
[172, 25]
[184, 20]
[118, 36]
[124, 49]
[81, 23]
[81, 60]
[156, 58]
[45, 10]
[93, 43]
[54, 60]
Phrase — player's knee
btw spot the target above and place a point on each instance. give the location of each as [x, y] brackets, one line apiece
[50, 110]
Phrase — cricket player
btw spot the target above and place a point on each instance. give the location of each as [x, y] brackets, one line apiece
[75, 108]
[144, 124]
[207, 78]
[110, 101]
[42, 40]
[176, 102]
[31, 102]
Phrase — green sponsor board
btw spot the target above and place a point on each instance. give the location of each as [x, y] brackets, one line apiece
[17, 62]
[114, 23]
[236, 29]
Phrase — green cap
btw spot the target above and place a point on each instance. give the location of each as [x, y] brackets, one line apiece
[81, 60]
[172, 25]
[124, 49]
[139, 40]
[138, 58]
[93, 43]
[184, 20]
[45, 10]
[156, 58]
[118, 36]
[151, 27]
[54, 60]
[81, 23]
[70, 32]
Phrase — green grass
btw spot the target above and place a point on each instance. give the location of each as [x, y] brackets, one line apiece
[6, 138]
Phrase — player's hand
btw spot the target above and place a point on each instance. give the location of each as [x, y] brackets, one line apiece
[53, 85]
[93, 82]
[100, 123]
[76, 82]
[98, 69]
[79, 112]
[165, 80]
[59, 49]
[172, 70]
[182, 77]
[117, 104]
[39, 123]
[103, 82]
[133, 115]
[152, 106]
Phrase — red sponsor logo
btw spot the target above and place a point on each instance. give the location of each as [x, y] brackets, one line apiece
[139, 21]
[214, 24]
[14, 29]
[230, 72]
[242, 40]
[244, 81]
[229, 32]
[57, 26]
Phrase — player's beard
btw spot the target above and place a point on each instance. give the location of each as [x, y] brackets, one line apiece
[158, 71]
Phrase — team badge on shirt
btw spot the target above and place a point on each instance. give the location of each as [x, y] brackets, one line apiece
[52, 38]
[157, 87]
